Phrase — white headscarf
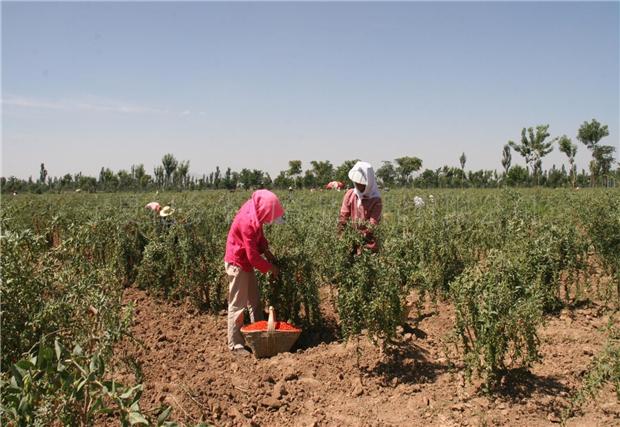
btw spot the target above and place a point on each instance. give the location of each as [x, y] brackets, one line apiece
[363, 173]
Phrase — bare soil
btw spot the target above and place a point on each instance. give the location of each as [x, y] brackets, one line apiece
[182, 359]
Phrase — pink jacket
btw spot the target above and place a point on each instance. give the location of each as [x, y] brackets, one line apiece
[369, 211]
[246, 241]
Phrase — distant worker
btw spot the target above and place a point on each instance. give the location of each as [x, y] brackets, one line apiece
[362, 204]
[245, 246]
[334, 185]
[165, 217]
[154, 206]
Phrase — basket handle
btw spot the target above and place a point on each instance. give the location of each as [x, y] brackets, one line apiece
[271, 323]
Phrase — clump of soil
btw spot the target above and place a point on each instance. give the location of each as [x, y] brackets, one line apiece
[183, 361]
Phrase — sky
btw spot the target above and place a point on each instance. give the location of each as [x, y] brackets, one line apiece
[254, 85]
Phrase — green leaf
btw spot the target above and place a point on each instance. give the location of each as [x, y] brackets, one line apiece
[137, 418]
[96, 365]
[58, 349]
[81, 384]
[164, 415]
[17, 375]
[44, 358]
[77, 350]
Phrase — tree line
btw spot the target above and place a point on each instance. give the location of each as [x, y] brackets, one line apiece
[534, 145]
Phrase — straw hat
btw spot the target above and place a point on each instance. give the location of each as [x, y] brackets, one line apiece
[166, 211]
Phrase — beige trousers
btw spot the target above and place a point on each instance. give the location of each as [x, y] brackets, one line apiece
[242, 294]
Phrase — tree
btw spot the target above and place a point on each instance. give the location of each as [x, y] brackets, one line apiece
[138, 173]
[387, 174]
[309, 179]
[462, 160]
[294, 172]
[183, 174]
[323, 171]
[170, 164]
[294, 168]
[283, 180]
[517, 175]
[603, 159]
[567, 147]
[125, 180]
[506, 158]
[159, 174]
[217, 178]
[590, 134]
[342, 172]
[42, 174]
[534, 148]
[406, 166]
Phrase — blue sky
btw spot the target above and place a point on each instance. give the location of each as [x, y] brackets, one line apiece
[86, 85]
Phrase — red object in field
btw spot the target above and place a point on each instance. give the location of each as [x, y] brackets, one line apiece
[335, 185]
[268, 338]
[262, 326]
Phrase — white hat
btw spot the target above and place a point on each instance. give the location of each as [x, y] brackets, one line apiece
[357, 175]
[166, 211]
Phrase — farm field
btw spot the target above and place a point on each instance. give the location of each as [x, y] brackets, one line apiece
[483, 307]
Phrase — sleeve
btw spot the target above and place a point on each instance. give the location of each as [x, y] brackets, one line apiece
[263, 244]
[375, 212]
[251, 242]
[345, 211]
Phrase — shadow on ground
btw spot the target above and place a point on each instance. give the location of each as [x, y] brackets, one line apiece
[408, 363]
[518, 384]
[327, 333]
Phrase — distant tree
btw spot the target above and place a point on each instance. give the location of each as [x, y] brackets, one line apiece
[42, 174]
[170, 165]
[183, 174]
[294, 168]
[517, 175]
[462, 160]
[138, 173]
[159, 174]
[283, 180]
[387, 174]
[217, 178]
[603, 160]
[506, 158]
[309, 179]
[556, 177]
[108, 180]
[228, 182]
[406, 166]
[342, 172]
[254, 178]
[125, 180]
[294, 172]
[590, 134]
[567, 147]
[534, 148]
[323, 171]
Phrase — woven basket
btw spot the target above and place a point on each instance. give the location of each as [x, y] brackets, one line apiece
[272, 341]
[267, 344]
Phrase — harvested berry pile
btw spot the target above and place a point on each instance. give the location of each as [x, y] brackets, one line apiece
[184, 362]
[262, 326]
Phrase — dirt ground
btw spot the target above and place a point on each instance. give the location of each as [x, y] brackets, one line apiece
[184, 362]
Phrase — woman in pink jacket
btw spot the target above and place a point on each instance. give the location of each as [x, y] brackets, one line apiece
[362, 204]
[245, 247]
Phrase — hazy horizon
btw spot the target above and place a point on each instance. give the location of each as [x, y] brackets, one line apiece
[254, 85]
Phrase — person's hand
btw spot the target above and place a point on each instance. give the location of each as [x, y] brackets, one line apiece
[270, 256]
[275, 271]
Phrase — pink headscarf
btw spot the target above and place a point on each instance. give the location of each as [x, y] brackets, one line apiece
[154, 206]
[267, 207]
